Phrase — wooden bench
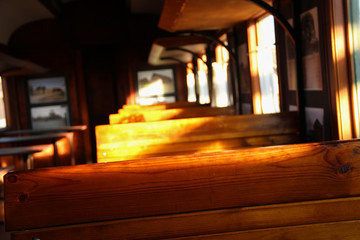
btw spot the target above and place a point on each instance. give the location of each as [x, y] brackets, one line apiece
[161, 106]
[141, 115]
[26, 152]
[302, 191]
[29, 136]
[193, 135]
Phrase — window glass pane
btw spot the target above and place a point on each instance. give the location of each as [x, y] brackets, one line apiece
[190, 80]
[204, 96]
[267, 65]
[221, 96]
[355, 32]
[354, 11]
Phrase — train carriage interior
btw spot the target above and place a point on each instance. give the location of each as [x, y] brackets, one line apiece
[128, 119]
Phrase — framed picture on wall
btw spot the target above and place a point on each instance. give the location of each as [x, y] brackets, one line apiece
[311, 50]
[155, 85]
[48, 102]
[47, 90]
[50, 116]
[314, 124]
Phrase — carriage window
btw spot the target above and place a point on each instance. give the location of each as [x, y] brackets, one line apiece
[221, 95]
[267, 65]
[354, 20]
[197, 83]
[204, 96]
[263, 66]
[190, 79]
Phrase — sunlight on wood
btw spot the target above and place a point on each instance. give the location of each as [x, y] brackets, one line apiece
[117, 142]
[344, 114]
[143, 115]
[254, 71]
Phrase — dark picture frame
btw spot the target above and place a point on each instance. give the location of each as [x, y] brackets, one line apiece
[47, 90]
[155, 85]
[50, 116]
[48, 101]
[311, 50]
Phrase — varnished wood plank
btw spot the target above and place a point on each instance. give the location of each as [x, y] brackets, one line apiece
[349, 230]
[203, 128]
[207, 222]
[130, 141]
[183, 15]
[48, 138]
[135, 150]
[46, 130]
[179, 184]
[125, 116]
[24, 150]
[160, 106]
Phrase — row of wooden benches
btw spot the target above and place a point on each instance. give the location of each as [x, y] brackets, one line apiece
[193, 129]
[294, 191]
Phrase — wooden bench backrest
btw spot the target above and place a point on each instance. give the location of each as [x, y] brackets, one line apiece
[125, 116]
[162, 106]
[193, 135]
[303, 191]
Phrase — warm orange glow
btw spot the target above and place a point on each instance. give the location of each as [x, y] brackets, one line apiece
[340, 42]
[144, 115]
[115, 141]
[3, 172]
[4, 164]
[45, 158]
[119, 142]
[356, 111]
[47, 152]
[354, 47]
[254, 72]
[63, 146]
[338, 37]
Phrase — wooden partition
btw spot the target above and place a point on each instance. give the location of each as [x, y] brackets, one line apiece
[147, 115]
[119, 142]
[301, 191]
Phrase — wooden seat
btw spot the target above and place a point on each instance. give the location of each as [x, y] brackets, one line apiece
[161, 106]
[119, 142]
[301, 191]
[141, 115]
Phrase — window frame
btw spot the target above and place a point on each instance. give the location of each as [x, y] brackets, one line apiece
[254, 64]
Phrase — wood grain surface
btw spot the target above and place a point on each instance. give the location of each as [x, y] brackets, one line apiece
[141, 115]
[204, 134]
[161, 106]
[207, 222]
[180, 184]
[349, 230]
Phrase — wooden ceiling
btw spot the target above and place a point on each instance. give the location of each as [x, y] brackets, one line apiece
[199, 15]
